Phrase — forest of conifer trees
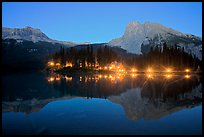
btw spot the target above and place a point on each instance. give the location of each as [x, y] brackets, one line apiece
[158, 57]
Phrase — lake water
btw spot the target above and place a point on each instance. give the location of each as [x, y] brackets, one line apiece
[38, 103]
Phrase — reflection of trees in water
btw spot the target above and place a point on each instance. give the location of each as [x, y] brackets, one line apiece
[173, 90]
[92, 88]
[154, 89]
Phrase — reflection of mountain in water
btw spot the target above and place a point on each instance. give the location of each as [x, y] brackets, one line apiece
[137, 106]
[140, 96]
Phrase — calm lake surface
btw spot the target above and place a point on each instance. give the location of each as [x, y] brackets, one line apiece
[38, 103]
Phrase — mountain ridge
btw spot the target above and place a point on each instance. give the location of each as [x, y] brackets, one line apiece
[138, 38]
[30, 34]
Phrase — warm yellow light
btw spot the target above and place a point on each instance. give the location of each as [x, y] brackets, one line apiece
[134, 70]
[80, 78]
[110, 67]
[187, 70]
[105, 67]
[58, 78]
[168, 76]
[68, 78]
[105, 76]
[187, 76]
[168, 70]
[68, 64]
[149, 76]
[149, 70]
[51, 79]
[100, 76]
[51, 63]
[133, 75]
[57, 64]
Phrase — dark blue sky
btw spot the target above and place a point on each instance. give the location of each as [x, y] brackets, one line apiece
[100, 21]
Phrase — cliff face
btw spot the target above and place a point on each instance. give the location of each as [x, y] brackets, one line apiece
[138, 38]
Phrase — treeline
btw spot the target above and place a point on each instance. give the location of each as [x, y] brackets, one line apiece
[158, 56]
[164, 55]
[86, 55]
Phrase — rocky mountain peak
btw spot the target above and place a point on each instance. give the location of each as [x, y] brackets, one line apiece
[149, 34]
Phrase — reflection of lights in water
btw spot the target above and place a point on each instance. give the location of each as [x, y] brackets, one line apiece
[68, 78]
[149, 76]
[187, 76]
[133, 75]
[168, 76]
[133, 70]
[187, 70]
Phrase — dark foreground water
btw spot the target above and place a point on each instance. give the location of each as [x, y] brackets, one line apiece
[37, 103]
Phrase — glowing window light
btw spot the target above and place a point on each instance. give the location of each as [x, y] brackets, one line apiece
[100, 76]
[58, 78]
[57, 64]
[51, 63]
[68, 64]
[105, 76]
[51, 79]
[80, 65]
[110, 67]
[68, 78]
[168, 76]
[105, 67]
